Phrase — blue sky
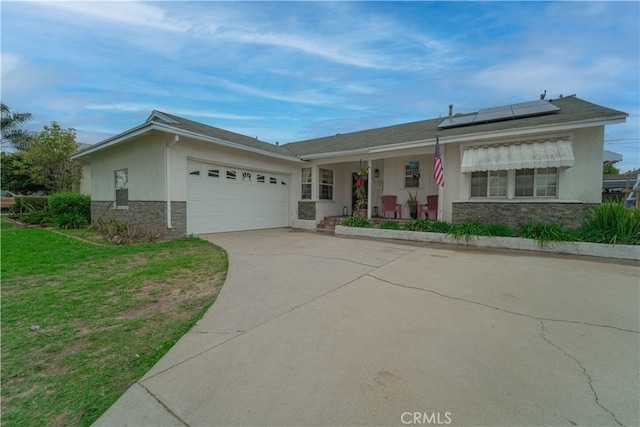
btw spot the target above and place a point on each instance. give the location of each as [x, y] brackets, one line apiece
[287, 71]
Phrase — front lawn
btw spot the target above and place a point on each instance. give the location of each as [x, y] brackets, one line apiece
[81, 323]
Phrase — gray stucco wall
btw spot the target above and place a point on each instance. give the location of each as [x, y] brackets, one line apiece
[148, 216]
[516, 214]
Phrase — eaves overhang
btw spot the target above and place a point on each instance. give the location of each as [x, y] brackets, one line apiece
[475, 136]
[154, 126]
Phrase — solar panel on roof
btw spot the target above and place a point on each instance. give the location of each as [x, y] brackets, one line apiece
[457, 121]
[493, 114]
[496, 114]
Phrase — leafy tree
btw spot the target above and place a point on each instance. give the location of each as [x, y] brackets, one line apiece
[11, 132]
[14, 174]
[48, 157]
[610, 170]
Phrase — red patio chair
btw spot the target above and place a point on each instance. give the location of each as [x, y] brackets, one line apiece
[389, 205]
[430, 207]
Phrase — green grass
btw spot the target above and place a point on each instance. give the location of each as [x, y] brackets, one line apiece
[81, 322]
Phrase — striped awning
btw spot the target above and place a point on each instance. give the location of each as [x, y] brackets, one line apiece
[526, 155]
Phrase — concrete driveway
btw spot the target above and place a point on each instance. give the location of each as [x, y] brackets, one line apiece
[311, 329]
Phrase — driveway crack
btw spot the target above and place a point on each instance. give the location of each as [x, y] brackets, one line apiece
[584, 371]
[166, 408]
[504, 310]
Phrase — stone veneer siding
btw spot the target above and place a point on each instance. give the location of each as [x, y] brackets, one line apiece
[307, 210]
[148, 216]
[518, 213]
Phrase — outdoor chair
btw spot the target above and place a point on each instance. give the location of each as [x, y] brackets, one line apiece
[389, 205]
[430, 207]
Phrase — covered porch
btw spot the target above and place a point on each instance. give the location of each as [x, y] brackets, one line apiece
[342, 187]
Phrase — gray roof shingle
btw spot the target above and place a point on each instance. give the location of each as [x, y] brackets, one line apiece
[572, 109]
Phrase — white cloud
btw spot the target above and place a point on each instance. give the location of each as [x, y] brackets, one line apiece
[122, 12]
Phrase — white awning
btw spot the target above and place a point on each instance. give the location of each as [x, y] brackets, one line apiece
[525, 155]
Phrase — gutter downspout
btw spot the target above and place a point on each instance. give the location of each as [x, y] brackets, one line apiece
[176, 138]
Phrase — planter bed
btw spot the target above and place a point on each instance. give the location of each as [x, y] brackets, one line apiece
[627, 252]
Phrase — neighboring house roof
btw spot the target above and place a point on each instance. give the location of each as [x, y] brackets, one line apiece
[574, 112]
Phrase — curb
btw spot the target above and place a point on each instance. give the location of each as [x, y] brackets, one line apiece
[626, 252]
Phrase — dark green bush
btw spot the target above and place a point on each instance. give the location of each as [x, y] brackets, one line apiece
[31, 215]
[356, 221]
[68, 221]
[70, 203]
[389, 225]
[416, 225]
[612, 222]
[24, 204]
[544, 233]
[469, 229]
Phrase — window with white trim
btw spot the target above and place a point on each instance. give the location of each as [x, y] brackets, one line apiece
[306, 184]
[122, 187]
[489, 184]
[326, 185]
[542, 182]
[412, 175]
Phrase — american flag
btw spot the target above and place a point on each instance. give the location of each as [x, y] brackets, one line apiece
[438, 172]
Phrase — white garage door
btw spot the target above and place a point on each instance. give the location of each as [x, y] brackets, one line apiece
[224, 198]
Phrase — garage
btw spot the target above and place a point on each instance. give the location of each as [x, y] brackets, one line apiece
[226, 198]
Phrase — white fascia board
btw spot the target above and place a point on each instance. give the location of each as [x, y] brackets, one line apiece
[150, 126]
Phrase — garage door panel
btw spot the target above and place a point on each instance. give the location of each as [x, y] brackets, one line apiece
[250, 201]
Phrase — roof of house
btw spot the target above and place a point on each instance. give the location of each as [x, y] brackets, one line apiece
[217, 133]
[573, 110]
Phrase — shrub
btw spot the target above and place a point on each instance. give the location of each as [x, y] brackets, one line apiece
[389, 225]
[70, 203]
[356, 221]
[427, 226]
[416, 225]
[118, 232]
[612, 222]
[69, 221]
[22, 204]
[469, 229]
[33, 215]
[544, 233]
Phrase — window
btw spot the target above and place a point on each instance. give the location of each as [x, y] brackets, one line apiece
[544, 181]
[246, 176]
[489, 183]
[412, 175]
[195, 172]
[497, 183]
[524, 183]
[273, 180]
[306, 183]
[214, 173]
[260, 178]
[231, 174]
[326, 184]
[122, 187]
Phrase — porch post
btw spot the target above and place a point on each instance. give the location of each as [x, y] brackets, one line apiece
[369, 190]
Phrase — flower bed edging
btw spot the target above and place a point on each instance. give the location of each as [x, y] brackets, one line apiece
[629, 252]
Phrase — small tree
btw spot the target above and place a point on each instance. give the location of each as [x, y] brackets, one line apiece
[610, 170]
[15, 176]
[11, 132]
[48, 158]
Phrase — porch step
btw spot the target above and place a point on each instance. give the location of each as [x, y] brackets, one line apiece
[328, 224]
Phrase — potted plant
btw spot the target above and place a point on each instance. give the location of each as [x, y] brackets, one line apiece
[412, 204]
